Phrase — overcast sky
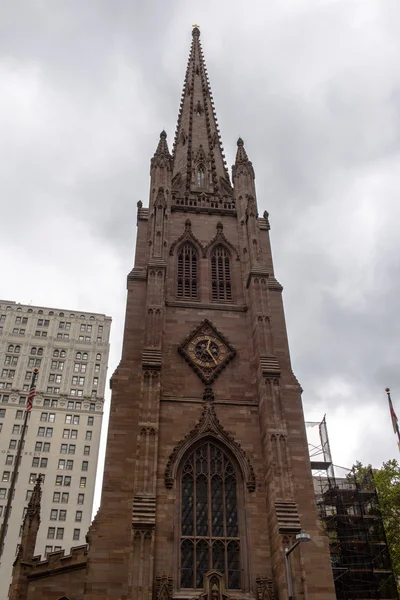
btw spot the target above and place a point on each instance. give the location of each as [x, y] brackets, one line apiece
[312, 86]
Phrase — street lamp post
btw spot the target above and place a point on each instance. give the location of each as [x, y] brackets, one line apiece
[300, 537]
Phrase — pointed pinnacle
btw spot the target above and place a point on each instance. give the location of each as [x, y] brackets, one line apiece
[241, 155]
[162, 148]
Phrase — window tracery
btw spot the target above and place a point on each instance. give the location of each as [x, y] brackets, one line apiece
[221, 274]
[209, 518]
[187, 272]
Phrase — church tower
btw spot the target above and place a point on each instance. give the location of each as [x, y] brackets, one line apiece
[207, 477]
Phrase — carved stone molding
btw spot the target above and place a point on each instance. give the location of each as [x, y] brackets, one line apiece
[209, 424]
[187, 235]
[220, 238]
[207, 373]
[288, 517]
[265, 588]
[163, 587]
[214, 587]
[143, 511]
[270, 366]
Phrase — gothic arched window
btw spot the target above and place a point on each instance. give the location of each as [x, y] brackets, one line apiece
[209, 518]
[187, 272]
[201, 176]
[221, 274]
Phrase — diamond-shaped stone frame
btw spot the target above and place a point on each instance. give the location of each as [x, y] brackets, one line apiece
[231, 352]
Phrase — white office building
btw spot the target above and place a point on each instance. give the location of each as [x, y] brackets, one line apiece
[70, 349]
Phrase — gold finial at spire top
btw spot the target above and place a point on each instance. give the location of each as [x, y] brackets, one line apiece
[195, 25]
[196, 30]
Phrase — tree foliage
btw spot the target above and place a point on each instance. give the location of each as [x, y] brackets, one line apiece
[387, 482]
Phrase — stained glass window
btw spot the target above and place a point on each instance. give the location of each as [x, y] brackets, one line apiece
[209, 522]
[221, 275]
[187, 272]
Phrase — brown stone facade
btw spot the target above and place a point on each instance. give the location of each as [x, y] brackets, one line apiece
[202, 256]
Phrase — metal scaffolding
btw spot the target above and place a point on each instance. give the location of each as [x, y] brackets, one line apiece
[348, 507]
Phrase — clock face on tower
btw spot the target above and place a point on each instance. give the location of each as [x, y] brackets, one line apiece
[207, 351]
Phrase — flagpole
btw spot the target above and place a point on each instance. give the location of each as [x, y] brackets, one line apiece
[395, 422]
[3, 531]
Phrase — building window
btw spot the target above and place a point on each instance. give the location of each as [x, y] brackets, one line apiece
[48, 549]
[90, 421]
[77, 533]
[78, 516]
[187, 272]
[69, 465]
[56, 496]
[85, 465]
[28, 495]
[209, 520]
[3, 492]
[19, 414]
[12, 445]
[221, 275]
[201, 176]
[32, 478]
[71, 449]
[98, 356]
[74, 419]
[53, 515]
[64, 448]
[86, 450]
[35, 462]
[64, 497]
[81, 499]
[9, 459]
[3, 413]
[62, 515]
[15, 429]
[6, 476]
[88, 435]
[51, 533]
[49, 431]
[41, 431]
[60, 533]
[82, 482]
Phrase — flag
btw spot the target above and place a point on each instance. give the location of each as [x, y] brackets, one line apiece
[395, 421]
[32, 392]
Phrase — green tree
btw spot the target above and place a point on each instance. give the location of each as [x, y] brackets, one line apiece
[387, 482]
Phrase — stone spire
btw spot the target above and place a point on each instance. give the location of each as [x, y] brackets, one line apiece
[198, 157]
[162, 156]
[31, 522]
[242, 164]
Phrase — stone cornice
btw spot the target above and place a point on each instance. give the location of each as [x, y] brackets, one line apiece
[202, 306]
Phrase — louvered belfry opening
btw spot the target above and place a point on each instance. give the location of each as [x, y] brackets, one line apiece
[209, 518]
[187, 272]
[221, 274]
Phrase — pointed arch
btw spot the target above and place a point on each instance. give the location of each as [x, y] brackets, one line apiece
[221, 283]
[187, 235]
[200, 175]
[220, 239]
[210, 534]
[209, 425]
[187, 271]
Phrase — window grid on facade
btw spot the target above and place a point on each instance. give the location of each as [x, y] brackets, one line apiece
[221, 274]
[209, 522]
[187, 272]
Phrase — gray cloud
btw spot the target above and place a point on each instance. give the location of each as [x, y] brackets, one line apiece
[313, 88]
